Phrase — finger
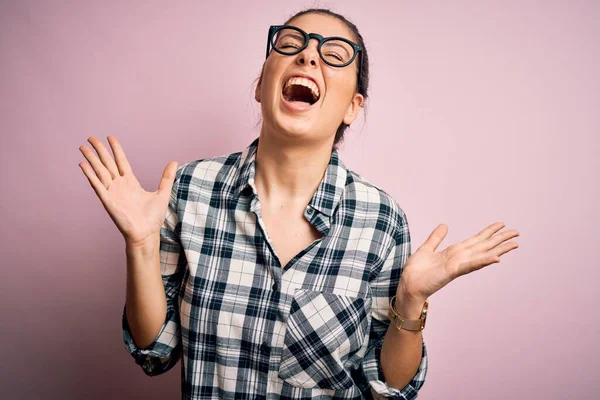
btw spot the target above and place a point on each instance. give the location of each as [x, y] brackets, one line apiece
[168, 177]
[503, 249]
[120, 158]
[98, 186]
[100, 170]
[482, 260]
[494, 241]
[475, 264]
[435, 238]
[484, 234]
[105, 157]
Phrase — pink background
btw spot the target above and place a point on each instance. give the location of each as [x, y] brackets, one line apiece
[480, 111]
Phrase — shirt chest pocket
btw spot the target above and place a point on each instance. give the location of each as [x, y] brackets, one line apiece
[324, 330]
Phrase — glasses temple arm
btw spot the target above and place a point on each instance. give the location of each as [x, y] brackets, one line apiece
[268, 42]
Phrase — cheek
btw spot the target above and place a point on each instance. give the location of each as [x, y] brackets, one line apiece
[273, 69]
[340, 89]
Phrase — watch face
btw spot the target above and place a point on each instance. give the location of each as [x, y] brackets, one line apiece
[424, 314]
[411, 325]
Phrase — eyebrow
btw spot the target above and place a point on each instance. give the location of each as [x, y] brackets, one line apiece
[295, 36]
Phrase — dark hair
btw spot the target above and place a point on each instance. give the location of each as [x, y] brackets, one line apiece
[363, 85]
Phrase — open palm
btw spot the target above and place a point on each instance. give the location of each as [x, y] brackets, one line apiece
[137, 213]
[427, 270]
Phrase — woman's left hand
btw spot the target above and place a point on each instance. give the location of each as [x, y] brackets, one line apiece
[427, 271]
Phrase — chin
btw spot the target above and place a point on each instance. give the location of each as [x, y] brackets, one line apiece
[295, 125]
[288, 126]
[295, 130]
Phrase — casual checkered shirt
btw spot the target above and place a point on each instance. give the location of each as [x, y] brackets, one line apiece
[248, 328]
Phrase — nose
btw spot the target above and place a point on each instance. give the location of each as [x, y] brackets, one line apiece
[310, 55]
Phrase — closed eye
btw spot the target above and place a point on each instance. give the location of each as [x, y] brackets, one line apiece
[334, 55]
[287, 45]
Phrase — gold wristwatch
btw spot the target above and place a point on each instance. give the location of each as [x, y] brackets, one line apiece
[408, 324]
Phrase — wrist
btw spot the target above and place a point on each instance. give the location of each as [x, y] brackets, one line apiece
[142, 248]
[408, 307]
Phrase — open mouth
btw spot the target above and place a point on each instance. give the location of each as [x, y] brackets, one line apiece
[301, 91]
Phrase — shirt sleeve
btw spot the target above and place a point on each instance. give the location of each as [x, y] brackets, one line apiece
[164, 352]
[383, 288]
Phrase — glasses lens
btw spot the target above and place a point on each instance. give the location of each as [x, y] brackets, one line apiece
[337, 52]
[288, 41]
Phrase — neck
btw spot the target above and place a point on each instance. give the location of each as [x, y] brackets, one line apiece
[287, 172]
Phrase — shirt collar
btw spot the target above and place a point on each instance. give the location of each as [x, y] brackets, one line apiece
[327, 195]
[329, 192]
[246, 169]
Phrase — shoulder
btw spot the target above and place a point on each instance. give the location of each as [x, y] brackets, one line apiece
[208, 172]
[373, 204]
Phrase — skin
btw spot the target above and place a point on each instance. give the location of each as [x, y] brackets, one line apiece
[427, 271]
[293, 153]
[138, 214]
[338, 98]
[295, 147]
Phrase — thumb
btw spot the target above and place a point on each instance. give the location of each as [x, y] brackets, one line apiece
[435, 238]
[168, 177]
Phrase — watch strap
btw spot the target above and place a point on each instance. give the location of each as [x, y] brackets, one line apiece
[408, 324]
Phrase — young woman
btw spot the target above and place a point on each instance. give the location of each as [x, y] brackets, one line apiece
[277, 272]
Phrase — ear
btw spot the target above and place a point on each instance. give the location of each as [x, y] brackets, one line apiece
[257, 91]
[353, 109]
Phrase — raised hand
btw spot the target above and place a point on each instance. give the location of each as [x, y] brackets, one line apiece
[137, 213]
[427, 271]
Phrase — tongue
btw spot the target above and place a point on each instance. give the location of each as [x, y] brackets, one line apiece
[296, 100]
[298, 94]
[299, 102]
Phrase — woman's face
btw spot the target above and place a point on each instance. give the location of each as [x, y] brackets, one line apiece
[337, 99]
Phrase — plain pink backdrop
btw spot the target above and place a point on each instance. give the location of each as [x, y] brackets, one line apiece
[480, 111]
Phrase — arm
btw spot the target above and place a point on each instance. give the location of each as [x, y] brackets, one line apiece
[146, 303]
[150, 318]
[396, 361]
[402, 350]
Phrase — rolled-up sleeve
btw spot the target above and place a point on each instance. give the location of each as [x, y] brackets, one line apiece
[383, 288]
[164, 352]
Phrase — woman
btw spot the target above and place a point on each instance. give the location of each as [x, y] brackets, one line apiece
[276, 271]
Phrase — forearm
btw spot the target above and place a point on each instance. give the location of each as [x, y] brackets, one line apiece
[401, 351]
[146, 304]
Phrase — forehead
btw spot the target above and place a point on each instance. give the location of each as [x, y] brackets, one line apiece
[324, 25]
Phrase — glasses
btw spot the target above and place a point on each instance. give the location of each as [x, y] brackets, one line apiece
[334, 50]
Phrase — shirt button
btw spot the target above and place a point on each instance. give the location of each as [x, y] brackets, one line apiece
[148, 366]
[309, 211]
[274, 286]
[264, 348]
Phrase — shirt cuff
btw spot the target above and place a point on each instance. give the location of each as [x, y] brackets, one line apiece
[157, 357]
[380, 389]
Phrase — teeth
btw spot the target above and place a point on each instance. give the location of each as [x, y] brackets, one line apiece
[304, 82]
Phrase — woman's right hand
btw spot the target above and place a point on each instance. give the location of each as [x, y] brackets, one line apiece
[137, 213]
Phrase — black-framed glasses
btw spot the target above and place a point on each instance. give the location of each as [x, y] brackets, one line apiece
[334, 50]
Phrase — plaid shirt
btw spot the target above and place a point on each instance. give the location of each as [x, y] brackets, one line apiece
[248, 328]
